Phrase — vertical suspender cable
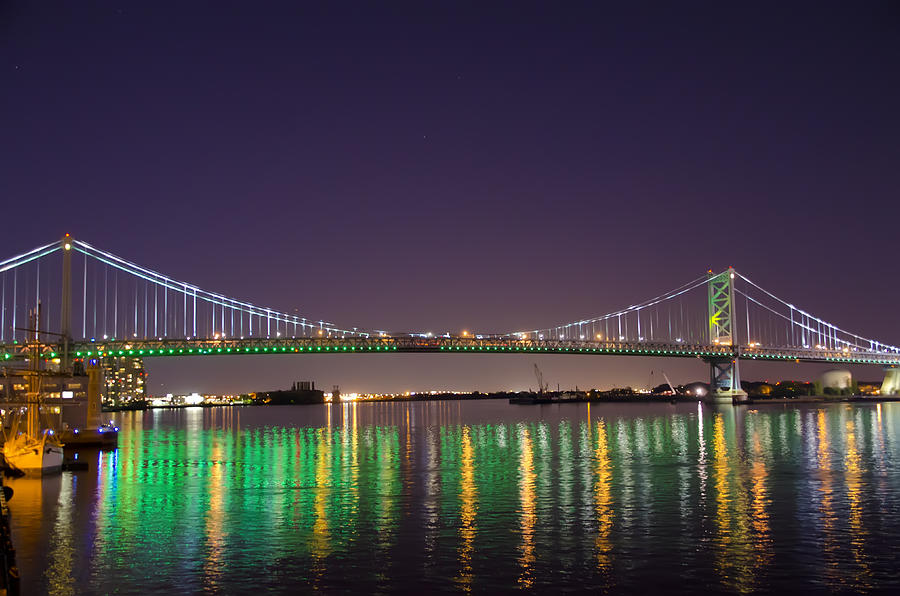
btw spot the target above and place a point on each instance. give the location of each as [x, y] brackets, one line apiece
[793, 341]
[747, 310]
[94, 329]
[15, 294]
[84, 302]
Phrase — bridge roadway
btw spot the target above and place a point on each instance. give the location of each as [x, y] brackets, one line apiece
[146, 348]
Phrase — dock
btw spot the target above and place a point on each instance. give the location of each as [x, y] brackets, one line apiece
[9, 573]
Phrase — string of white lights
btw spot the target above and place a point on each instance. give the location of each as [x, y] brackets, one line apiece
[680, 290]
[29, 256]
[802, 312]
[209, 297]
[799, 318]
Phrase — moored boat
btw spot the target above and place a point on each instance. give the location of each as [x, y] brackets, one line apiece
[104, 435]
[42, 454]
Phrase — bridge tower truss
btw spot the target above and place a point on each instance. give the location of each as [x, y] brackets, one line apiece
[724, 378]
[721, 301]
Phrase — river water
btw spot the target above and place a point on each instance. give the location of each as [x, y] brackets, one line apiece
[473, 496]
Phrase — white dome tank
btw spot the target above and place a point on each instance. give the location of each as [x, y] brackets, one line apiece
[837, 379]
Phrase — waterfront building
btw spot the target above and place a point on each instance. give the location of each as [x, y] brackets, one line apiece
[125, 382]
[64, 398]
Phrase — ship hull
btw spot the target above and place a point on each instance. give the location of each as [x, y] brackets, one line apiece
[46, 459]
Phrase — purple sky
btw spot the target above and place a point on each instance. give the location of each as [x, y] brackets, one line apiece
[461, 170]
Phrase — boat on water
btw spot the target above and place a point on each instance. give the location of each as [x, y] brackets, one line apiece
[42, 454]
[102, 435]
[36, 449]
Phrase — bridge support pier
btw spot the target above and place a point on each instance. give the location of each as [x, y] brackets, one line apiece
[95, 387]
[724, 381]
[891, 383]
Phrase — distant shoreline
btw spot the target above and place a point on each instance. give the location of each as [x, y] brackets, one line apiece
[806, 399]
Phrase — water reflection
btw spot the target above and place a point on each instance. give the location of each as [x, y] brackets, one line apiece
[854, 482]
[603, 500]
[215, 527]
[527, 514]
[320, 544]
[826, 501]
[467, 495]
[60, 580]
[472, 497]
[759, 493]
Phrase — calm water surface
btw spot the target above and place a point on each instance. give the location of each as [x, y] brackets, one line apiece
[474, 496]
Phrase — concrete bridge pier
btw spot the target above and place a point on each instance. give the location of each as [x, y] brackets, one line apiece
[95, 386]
[891, 383]
[724, 381]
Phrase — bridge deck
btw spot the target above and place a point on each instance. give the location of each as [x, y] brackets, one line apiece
[497, 345]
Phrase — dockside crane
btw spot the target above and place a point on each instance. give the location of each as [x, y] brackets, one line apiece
[542, 387]
[672, 387]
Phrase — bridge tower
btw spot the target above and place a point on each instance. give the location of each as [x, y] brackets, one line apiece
[66, 315]
[724, 378]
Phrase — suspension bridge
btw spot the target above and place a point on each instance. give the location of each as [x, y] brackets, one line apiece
[100, 305]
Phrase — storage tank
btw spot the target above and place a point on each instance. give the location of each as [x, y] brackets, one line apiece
[837, 379]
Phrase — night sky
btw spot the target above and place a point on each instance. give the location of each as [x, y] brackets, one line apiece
[467, 168]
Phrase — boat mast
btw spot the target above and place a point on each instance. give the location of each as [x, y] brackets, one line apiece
[34, 377]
